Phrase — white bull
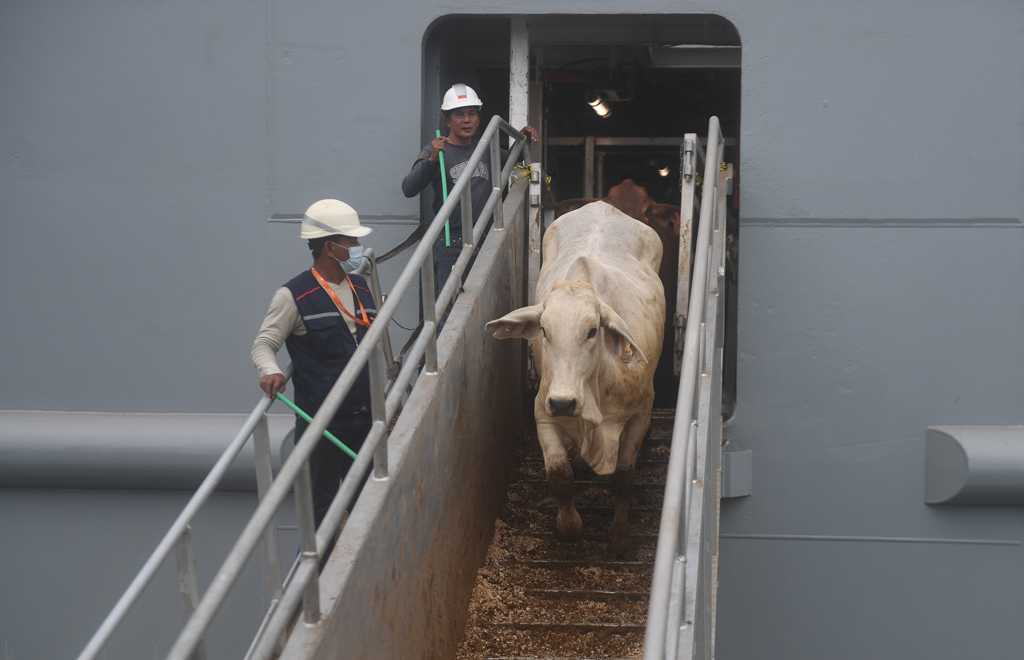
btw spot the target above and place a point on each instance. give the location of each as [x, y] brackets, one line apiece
[596, 336]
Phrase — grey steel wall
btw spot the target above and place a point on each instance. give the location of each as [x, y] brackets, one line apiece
[882, 256]
[853, 340]
[142, 147]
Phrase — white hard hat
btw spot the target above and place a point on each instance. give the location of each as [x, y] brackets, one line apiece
[330, 217]
[460, 95]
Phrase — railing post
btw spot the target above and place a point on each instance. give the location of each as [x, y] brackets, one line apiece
[689, 451]
[499, 217]
[188, 584]
[677, 602]
[378, 381]
[378, 299]
[429, 312]
[687, 208]
[466, 209]
[264, 477]
[725, 185]
[307, 528]
[588, 167]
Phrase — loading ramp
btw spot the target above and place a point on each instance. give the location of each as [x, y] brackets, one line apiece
[537, 596]
[398, 579]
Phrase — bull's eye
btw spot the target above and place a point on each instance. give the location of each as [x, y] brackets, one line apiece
[592, 333]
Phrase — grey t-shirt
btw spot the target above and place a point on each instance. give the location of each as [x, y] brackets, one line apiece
[425, 172]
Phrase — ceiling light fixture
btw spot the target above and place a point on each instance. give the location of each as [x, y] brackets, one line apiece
[599, 106]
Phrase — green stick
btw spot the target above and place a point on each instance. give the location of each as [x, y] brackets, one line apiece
[444, 192]
[330, 436]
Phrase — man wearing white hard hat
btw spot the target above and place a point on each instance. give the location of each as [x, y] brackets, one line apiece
[460, 116]
[321, 315]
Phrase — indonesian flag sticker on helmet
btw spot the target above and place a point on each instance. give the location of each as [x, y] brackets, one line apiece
[460, 95]
[331, 217]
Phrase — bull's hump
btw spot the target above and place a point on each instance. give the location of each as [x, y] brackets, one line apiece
[599, 229]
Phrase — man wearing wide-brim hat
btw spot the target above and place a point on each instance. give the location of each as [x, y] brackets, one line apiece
[322, 314]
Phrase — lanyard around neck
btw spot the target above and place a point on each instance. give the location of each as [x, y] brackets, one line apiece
[365, 320]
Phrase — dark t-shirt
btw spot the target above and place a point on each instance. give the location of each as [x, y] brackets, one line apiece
[425, 172]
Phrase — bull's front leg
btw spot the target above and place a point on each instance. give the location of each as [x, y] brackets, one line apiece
[558, 469]
[622, 482]
[622, 493]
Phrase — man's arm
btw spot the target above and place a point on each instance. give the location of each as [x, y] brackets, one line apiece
[419, 177]
[424, 170]
[281, 320]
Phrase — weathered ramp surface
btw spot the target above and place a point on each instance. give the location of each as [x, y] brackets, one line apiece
[538, 597]
[397, 584]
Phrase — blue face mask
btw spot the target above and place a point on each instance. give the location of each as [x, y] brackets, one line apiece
[355, 260]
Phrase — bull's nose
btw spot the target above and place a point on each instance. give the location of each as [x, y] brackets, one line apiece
[562, 406]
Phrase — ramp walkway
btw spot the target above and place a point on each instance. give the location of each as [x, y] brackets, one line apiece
[447, 417]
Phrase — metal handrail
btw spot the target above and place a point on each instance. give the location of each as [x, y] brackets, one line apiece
[667, 605]
[303, 579]
[178, 528]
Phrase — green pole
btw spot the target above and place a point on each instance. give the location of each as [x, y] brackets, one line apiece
[444, 192]
[330, 436]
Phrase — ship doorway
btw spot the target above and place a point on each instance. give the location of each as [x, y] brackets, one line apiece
[612, 96]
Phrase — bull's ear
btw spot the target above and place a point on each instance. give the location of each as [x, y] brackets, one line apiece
[523, 323]
[611, 320]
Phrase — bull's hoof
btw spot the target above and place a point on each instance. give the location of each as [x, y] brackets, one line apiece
[569, 524]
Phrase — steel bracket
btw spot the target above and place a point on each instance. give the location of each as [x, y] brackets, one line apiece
[737, 473]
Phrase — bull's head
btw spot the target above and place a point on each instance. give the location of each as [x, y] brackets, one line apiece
[577, 333]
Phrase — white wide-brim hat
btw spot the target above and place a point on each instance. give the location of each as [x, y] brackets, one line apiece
[331, 217]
